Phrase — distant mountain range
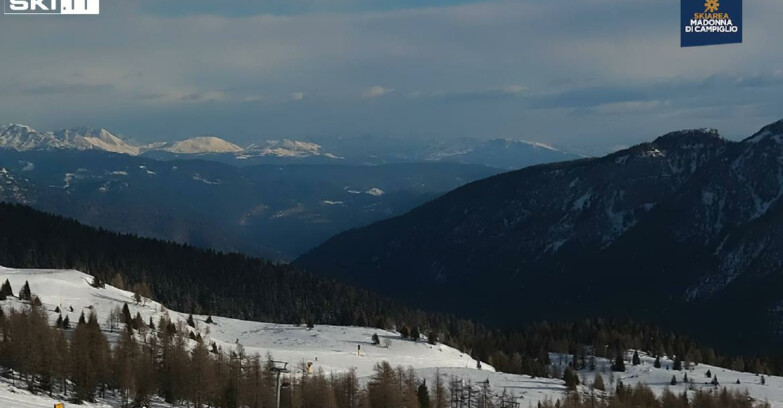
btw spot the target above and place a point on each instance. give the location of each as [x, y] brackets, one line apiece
[273, 211]
[25, 138]
[498, 153]
[686, 231]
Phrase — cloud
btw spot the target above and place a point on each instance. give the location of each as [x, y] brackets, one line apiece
[376, 91]
[561, 72]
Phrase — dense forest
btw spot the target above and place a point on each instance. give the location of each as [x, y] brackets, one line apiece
[163, 359]
[233, 285]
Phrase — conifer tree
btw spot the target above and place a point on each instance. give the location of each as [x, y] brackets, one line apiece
[677, 363]
[405, 332]
[375, 339]
[97, 282]
[673, 381]
[657, 363]
[619, 363]
[415, 334]
[636, 359]
[571, 378]
[598, 382]
[5, 290]
[191, 322]
[24, 293]
[126, 315]
[423, 395]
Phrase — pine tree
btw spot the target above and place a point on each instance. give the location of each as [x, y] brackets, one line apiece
[126, 316]
[423, 395]
[191, 322]
[59, 323]
[138, 322]
[673, 381]
[571, 378]
[405, 332]
[209, 320]
[66, 323]
[432, 338]
[715, 381]
[598, 382]
[97, 282]
[636, 359]
[619, 363]
[677, 363]
[657, 363]
[709, 373]
[5, 290]
[415, 334]
[25, 293]
[375, 339]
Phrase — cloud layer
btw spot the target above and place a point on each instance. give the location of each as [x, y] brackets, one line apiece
[591, 73]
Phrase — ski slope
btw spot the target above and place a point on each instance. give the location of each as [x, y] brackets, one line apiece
[334, 348]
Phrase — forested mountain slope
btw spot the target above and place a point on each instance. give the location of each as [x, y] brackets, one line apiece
[685, 230]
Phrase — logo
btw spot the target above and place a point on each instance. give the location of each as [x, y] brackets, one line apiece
[710, 22]
[46, 7]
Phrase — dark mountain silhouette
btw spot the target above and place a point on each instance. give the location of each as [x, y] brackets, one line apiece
[686, 231]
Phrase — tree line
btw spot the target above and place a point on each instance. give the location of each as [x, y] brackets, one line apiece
[233, 285]
[161, 360]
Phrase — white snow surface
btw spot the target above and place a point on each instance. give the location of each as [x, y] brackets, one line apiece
[334, 348]
[200, 145]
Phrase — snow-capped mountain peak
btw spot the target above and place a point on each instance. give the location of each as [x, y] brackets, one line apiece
[199, 145]
[95, 139]
[772, 131]
[288, 148]
[22, 137]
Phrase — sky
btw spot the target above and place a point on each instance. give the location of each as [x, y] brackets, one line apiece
[592, 74]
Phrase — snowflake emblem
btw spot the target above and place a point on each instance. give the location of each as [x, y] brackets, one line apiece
[711, 6]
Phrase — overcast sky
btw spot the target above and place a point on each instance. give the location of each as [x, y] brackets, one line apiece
[575, 73]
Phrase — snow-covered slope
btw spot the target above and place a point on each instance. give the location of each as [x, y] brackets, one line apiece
[286, 149]
[659, 379]
[331, 348]
[22, 137]
[198, 145]
[95, 139]
[334, 348]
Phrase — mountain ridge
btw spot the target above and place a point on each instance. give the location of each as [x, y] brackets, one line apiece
[498, 153]
[707, 204]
